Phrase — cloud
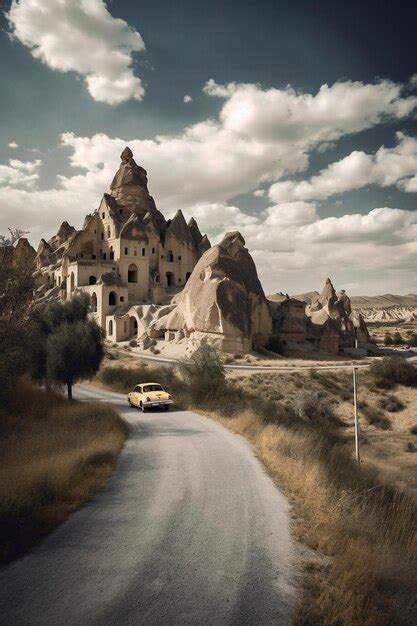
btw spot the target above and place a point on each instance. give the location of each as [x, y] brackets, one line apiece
[187, 99]
[83, 37]
[204, 167]
[287, 115]
[13, 144]
[388, 166]
[295, 249]
[260, 136]
[20, 173]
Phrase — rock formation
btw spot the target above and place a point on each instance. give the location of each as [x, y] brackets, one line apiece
[129, 188]
[324, 321]
[24, 252]
[223, 301]
[150, 278]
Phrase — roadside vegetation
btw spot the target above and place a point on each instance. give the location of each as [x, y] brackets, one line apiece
[55, 454]
[361, 524]
[67, 346]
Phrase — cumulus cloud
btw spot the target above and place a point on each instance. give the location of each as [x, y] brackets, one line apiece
[187, 99]
[388, 166]
[260, 136]
[287, 115]
[13, 145]
[20, 173]
[268, 136]
[83, 37]
[295, 249]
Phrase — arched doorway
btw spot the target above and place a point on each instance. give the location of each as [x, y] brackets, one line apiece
[133, 327]
[94, 303]
[92, 280]
[170, 256]
[132, 274]
[112, 298]
[170, 279]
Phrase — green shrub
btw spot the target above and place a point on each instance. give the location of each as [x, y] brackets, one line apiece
[311, 406]
[388, 340]
[398, 340]
[375, 417]
[204, 373]
[391, 371]
[390, 403]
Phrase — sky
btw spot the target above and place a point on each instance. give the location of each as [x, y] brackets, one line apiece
[293, 122]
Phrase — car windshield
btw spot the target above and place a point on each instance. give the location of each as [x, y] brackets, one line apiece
[148, 388]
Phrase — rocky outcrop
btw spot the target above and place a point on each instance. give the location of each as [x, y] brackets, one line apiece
[129, 187]
[24, 251]
[222, 302]
[338, 308]
[178, 229]
[327, 319]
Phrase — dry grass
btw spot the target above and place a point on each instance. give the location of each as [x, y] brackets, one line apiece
[55, 455]
[369, 532]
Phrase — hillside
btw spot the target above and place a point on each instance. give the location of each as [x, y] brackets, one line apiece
[387, 308]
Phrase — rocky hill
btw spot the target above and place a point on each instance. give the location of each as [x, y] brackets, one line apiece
[385, 308]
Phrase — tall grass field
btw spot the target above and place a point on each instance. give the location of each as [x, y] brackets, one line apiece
[54, 456]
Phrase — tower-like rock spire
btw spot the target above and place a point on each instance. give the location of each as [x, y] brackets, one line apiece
[129, 187]
[129, 175]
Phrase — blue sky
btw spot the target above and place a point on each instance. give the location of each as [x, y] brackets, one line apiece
[311, 106]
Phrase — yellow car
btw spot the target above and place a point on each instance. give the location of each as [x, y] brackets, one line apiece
[149, 395]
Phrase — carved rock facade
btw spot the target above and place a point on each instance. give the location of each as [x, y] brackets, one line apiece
[125, 255]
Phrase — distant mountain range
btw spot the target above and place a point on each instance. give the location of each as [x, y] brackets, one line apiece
[386, 308]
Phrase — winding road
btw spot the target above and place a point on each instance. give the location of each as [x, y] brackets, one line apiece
[189, 530]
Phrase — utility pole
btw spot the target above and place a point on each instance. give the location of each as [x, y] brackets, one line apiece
[355, 404]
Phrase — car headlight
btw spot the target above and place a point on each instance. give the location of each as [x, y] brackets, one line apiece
[148, 399]
[169, 397]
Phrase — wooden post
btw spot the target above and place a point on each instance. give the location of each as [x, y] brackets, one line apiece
[355, 404]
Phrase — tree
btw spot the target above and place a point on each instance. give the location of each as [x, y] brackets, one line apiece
[45, 321]
[388, 340]
[74, 351]
[16, 290]
[204, 372]
[397, 339]
[413, 340]
[67, 345]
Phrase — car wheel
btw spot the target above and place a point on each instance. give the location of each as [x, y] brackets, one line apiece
[166, 407]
